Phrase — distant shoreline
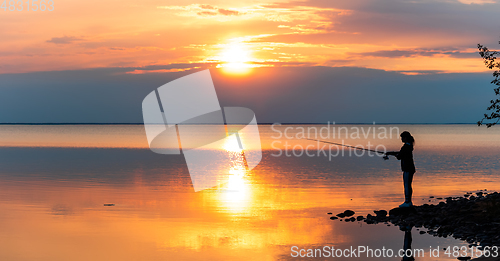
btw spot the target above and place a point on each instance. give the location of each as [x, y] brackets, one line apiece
[93, 123]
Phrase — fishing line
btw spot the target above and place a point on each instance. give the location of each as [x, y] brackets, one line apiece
[349, 146]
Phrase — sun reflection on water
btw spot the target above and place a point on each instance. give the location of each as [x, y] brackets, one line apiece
[235, 194]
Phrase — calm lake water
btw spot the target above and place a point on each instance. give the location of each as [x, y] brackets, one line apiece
[55, 180]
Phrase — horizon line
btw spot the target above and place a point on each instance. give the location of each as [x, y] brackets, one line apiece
[286, 123]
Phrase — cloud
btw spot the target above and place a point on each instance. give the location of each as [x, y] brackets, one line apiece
[206, 13]
[228, 12]
[416, 52]
[202, 10]
[64, 40]
[421, 72]
[208, 7]
[164, 68]
[458, 54]
[479, 2]
[428, 24]
[395, 53]
[314, 16]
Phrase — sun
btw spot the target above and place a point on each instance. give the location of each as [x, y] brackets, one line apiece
[235, 58]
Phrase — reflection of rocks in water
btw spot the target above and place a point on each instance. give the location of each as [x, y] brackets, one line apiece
[59, 210]
[475, 219]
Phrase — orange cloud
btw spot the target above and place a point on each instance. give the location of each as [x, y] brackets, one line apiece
[64, 40]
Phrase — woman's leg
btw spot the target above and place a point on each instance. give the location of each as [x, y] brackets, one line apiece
[407, 180]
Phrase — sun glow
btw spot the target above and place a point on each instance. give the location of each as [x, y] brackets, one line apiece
[236, 189]
[236, 58]
[232, 145]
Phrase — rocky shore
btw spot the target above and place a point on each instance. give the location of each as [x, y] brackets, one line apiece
[474, 217]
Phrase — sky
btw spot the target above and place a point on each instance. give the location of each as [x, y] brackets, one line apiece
[88, 61]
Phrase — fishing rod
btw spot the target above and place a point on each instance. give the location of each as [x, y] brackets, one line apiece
[385, 157]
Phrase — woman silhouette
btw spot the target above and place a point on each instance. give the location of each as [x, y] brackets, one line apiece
[407, 165]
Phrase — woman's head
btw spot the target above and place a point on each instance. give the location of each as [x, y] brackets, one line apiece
[406, 137]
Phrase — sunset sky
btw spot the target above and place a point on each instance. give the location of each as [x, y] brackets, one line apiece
[118, 38]
[391, 35]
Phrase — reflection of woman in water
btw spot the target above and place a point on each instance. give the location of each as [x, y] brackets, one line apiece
[408, 251]
[407, 166]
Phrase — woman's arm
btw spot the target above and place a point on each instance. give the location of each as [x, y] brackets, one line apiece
[397, 154]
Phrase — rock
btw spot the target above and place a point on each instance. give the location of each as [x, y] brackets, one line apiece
[380, 213]
[402, 211]
[333, 218]
[474, 219]
[349, 213]
[109, 205]
[346, 213]
[329, 213]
